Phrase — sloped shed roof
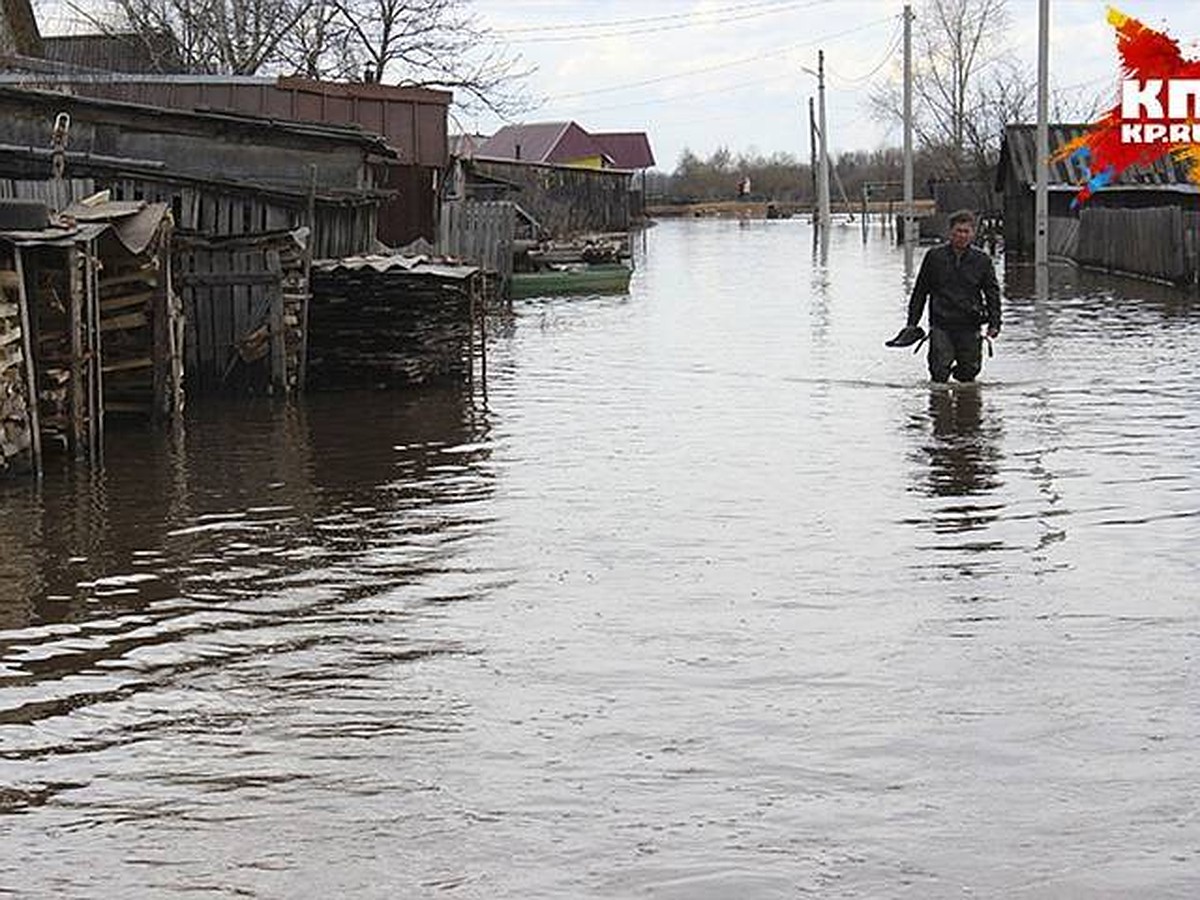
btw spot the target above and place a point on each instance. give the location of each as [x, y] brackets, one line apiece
[1018, 159]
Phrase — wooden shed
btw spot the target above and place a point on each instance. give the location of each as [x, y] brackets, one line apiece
[411, 121]
[565, 200]
[89, 328]
[1163, 184]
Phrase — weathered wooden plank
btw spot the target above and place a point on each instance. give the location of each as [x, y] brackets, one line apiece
[124, 321]
[130, 365]
[31, 405]
[126, 301]
[224, 279]
[140, 280]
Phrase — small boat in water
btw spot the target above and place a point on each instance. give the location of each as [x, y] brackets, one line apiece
[579, 278]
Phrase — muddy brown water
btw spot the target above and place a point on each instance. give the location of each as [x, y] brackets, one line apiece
[713, 597]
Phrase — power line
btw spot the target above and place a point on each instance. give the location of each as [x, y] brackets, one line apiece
[676, 98]
[893, 45]
[618, 23]
[705, 19]
[779, 51]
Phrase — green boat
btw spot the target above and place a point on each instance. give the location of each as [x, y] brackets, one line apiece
[603, 278]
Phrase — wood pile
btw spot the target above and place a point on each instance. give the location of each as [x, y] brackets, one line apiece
[60, 352]
[127, 295]
[390, 328]
[15, 433]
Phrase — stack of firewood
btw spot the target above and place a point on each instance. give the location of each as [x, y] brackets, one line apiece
[15, 434]
[388, 328]
[126, 314]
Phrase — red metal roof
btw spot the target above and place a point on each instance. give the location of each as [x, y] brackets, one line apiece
[543, 142]
[628, 149]
[532, 143]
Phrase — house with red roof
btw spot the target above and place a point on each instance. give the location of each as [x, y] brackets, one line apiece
[568, 144]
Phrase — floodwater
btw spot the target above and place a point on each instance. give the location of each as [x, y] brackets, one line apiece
[712, 597]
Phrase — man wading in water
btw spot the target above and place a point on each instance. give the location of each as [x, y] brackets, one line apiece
[960, 284]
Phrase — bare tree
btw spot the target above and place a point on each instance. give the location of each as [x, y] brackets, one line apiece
[322, 45]
[231, 37]
[416, 43]
[962, 71]
[434, 44]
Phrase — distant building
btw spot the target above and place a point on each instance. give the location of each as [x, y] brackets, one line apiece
[127, 53]
[19, 34]
[1165, 183]
[627, 149]
[557, 143]
[568, 144]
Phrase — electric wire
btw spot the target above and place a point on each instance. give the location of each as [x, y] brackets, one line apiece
[702, 70]
[772, 5]
[705, 20]
[893, 45]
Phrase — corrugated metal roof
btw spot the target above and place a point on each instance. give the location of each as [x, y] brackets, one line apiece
[1018, 159]
[415, 265]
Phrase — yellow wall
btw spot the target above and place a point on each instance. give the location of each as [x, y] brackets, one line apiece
[587, 162]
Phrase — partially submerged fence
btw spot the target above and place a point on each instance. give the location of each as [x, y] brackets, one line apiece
[245, 301]
[480, 232]
[1158, 243]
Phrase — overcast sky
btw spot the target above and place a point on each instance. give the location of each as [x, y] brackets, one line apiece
[702, 74]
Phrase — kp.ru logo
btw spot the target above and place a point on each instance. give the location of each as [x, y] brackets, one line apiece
[1157, 115]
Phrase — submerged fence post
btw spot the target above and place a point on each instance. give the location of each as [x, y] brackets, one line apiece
[35, 426]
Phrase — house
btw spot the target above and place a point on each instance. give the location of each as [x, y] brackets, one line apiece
[150, 70]
[627, 149]
[412, 121]
[565, 178]
[556, 143]
[1165, 183]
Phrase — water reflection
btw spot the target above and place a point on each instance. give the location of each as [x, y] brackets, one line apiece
[962, 456]
[699, 607]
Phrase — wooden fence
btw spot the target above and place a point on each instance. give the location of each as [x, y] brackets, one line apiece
[1063, 237]
[57, 194]
[1158, 243]
[245, 301]
[480, 233]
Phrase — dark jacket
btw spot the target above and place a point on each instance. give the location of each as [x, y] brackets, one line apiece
[962, 290]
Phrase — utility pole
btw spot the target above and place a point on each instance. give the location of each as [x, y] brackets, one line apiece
[1041, 246]
[823, 155]
[908, 148]
[812, 146]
